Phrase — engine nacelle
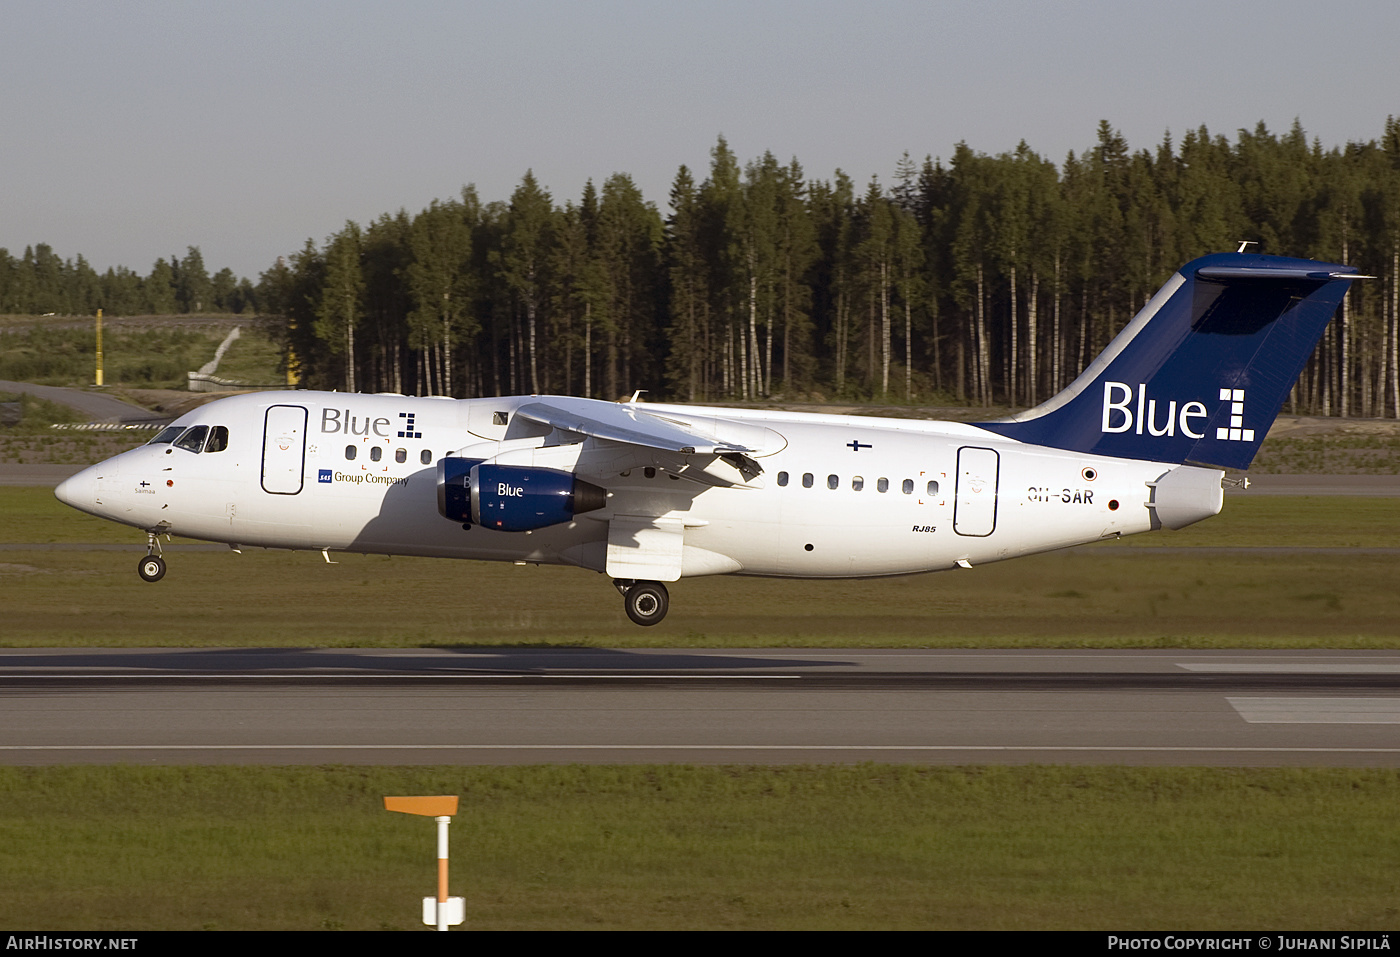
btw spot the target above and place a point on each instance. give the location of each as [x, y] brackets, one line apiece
[454, 488]
[512, 498]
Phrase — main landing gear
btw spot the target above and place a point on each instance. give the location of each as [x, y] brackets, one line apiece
[152, 567]
[646, 602]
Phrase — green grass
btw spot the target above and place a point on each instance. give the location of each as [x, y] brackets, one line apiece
[33, 516]
[1289, 522]
[672, 847]
[1349, 450]
[1145, 599]
[33, 440]
[1094, 597]
[154, 353]
[76, 448]
[36, 414]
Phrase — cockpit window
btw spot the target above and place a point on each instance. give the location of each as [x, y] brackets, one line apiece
[218, 439]
[193, 439]
[166, 435]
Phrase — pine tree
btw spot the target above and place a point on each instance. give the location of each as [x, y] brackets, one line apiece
[524, 258]
[159, 289]
[193, 292]
[439, 282]
[688, 331]
[340, 308]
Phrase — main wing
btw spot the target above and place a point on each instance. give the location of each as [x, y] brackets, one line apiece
[626, 422]
[736, 443]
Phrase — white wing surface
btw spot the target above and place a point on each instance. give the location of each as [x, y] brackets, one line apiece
[632, 424]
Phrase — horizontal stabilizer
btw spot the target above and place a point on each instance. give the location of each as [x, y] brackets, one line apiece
[1199, 375]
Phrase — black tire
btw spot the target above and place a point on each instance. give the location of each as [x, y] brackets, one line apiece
[151, 569]
[647, 602]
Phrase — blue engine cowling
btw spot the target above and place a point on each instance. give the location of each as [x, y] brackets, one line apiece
[512, 498]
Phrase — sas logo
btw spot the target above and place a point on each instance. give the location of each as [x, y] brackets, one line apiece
[324, 476]
[1126, 409]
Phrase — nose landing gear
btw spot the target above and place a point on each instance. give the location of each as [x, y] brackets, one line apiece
[646, 602]
[152, 567]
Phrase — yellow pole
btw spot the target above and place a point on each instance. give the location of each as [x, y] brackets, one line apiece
[99, 347]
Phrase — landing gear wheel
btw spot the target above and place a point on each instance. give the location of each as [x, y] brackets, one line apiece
[646, 602]
[151, 569]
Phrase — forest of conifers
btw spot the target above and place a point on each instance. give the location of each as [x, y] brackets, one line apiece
[985, 280]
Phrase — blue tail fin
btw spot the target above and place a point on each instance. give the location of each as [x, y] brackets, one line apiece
[1199, 375]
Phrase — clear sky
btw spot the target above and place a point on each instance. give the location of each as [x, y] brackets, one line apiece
[132, 130]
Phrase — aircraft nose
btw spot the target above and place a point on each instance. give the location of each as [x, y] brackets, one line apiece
[80, 490]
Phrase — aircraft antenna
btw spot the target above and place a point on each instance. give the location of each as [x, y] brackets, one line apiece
[1246, 242]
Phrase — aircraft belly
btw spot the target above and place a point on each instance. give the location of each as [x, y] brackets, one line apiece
[848, 549]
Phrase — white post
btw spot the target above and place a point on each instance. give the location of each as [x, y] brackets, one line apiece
[439, 910]
[442, 822]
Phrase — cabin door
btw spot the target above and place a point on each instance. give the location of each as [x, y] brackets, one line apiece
[284, 449]
[975, 506]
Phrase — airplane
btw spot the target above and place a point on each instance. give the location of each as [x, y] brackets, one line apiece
[650, 493]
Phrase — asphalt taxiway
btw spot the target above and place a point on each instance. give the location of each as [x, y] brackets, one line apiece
[765, 706]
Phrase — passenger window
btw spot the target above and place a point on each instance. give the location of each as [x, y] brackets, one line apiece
[218, 439]
[908, 487]
[857, 483]
[375, 453]
[400, 456]
[166, 435]
[933, 488]
[782, 480]
[832, 481]
[193, 439]
[426, 458]
[882, 485]
[350, 453]
[806, 479]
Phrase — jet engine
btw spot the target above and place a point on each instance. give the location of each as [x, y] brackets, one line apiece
[512, 498]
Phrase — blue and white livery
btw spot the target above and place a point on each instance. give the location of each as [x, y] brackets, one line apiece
[652, 493]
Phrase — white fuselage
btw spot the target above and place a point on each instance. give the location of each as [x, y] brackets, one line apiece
[838, 496]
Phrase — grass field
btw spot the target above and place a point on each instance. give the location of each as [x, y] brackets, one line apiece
[1144, 599]
[679, 847]
[1328, 596]
[146, 352]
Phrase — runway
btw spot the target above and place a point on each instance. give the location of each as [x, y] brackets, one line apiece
[737, 706]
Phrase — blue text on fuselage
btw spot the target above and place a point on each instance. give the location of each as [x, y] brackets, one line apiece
[338, 420]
